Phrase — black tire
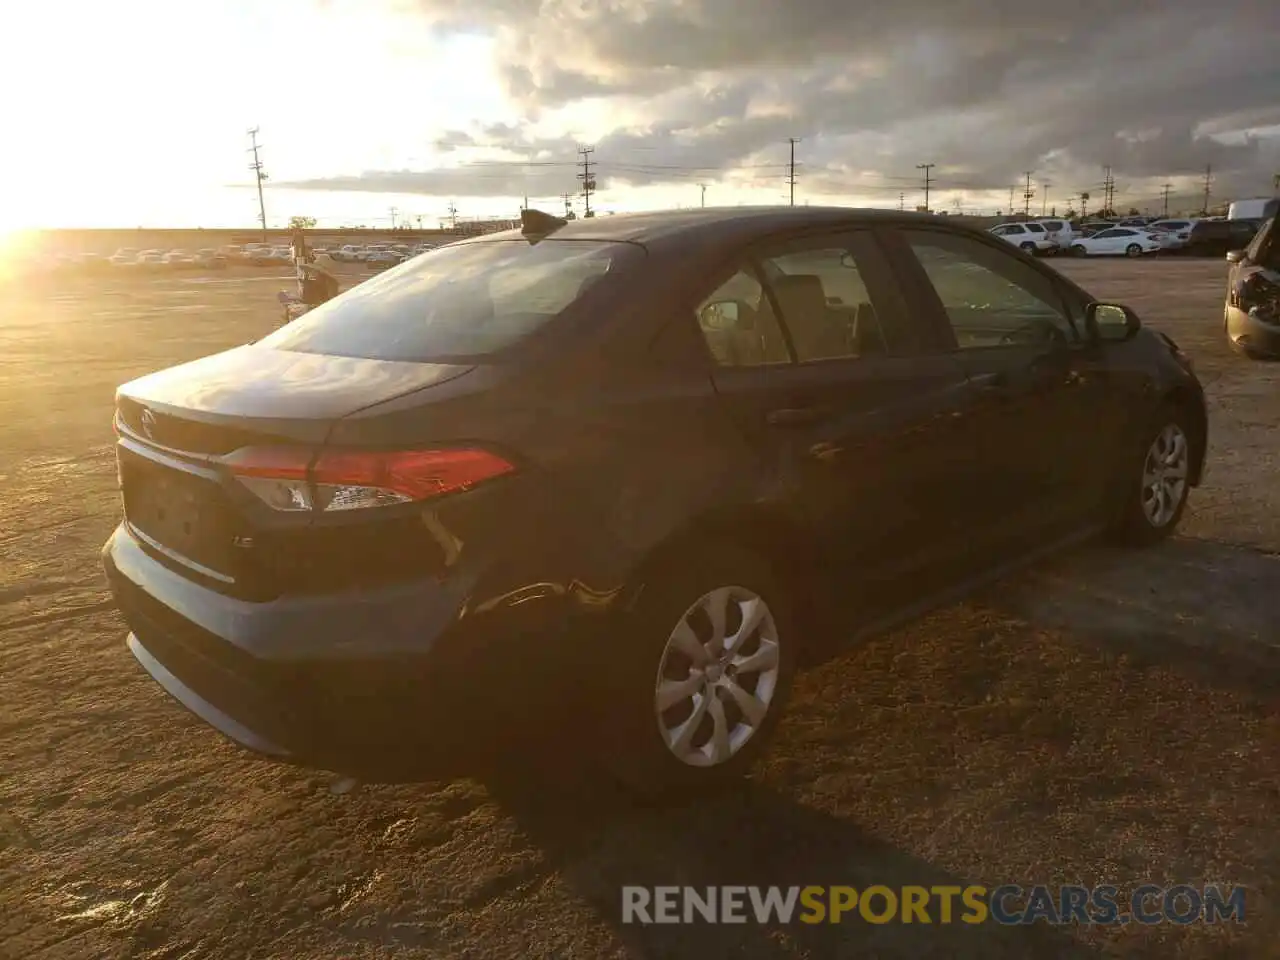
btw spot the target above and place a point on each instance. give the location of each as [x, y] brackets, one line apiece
[1133, 250]
[1132, 524]
[1029, 248]
[1079, 251]
[634, 749]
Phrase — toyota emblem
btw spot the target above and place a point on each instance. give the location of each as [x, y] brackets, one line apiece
[148, 420]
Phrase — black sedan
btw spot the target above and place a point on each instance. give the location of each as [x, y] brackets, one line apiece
[1251, 316]
[625, 460]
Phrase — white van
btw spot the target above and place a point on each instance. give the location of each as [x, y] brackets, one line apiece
[1258, 208]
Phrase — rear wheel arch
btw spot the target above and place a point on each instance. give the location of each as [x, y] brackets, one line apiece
[763, 530]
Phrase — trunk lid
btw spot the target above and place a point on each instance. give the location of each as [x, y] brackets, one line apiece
[179, 500]
[225, 401]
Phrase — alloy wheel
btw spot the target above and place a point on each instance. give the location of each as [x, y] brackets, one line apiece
[718, 676]
[1164, 475]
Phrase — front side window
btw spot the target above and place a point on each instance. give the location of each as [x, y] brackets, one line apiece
[460, 301]
[990, 298]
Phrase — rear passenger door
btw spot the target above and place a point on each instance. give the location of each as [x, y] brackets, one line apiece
[847, 398]
[1039, 387]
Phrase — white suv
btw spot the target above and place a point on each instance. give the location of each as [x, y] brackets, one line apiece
[1059, 231]
[1028, 235]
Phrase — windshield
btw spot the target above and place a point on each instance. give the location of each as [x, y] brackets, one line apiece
[464, 301]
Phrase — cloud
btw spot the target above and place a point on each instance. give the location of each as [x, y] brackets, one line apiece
[985, 89]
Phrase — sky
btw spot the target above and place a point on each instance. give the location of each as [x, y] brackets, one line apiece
[136, 112]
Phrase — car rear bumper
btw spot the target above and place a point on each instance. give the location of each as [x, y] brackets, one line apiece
[367, 683]
[1251, 335]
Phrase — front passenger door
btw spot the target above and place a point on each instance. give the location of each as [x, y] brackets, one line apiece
[1038, 386]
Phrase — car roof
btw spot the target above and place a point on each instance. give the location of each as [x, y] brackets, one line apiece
[732, 224]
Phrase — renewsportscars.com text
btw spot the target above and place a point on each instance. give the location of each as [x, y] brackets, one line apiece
[1008, 904]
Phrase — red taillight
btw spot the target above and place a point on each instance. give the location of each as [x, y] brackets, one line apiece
[288, 479]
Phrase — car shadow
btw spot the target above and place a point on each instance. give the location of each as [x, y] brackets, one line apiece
[596, 842]
[1202, 607]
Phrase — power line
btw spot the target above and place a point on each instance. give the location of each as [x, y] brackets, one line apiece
[926, 167]
[259, 175]
[791, 168]
[588, 179]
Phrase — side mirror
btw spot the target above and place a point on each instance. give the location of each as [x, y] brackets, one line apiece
[1235, 256]
[1111, 322]
[722, 315]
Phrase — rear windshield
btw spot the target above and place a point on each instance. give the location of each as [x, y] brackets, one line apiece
[1054, 224]
[460, 301]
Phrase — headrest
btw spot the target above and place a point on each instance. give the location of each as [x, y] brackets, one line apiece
[802, 291]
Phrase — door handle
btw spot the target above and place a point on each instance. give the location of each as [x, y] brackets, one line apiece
[795, 416]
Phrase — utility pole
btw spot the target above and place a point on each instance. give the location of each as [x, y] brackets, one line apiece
[1275, 183]
[1108, 191]
[1208, 182]
[394, 211]
[1027, 194]
[1011, 189]
[1164, 195]
[791, 168]
[902, 201]
[928, 181]
[1084, 204]
[259, 175]
[588, 179]
[568, 203]
[703, 188]
[453, 216]
[1044, 195]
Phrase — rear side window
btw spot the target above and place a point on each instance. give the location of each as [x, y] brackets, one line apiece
[461, 301]
[1035, 228]
[1054, 225]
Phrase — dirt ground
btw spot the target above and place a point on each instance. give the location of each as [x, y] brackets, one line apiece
[1106, 717]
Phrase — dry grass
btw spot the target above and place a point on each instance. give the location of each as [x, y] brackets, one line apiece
[1103, 718]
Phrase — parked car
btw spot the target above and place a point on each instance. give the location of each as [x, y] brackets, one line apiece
[338, 537]
[210, 259]
[349, 253]
[1090, 227]
[1251, 316]
[1059, 231]
[1029, 236]
[152, 259]
[1116, 242]
[179, 259]
[1173, 234]
[381, 259]
[124, 257]
[1217, 238]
